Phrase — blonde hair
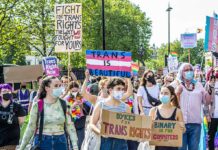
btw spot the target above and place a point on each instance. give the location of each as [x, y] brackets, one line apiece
[102, 83]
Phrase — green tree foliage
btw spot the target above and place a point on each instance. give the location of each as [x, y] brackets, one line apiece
[196, 54]
[28, 25]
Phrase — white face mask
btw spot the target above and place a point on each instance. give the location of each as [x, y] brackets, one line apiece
[117, 95]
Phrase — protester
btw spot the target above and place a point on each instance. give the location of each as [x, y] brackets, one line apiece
[23, 96]
[116, 90]
[168, 110]
[148, 86]
[80, 109]
[11, 117]
[102, 94]
[56, 118]
[168, 80]
[211, 110]
[191, 96]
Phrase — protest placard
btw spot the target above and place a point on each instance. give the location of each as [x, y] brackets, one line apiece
[189, 40]
[172, 64]
[50, 66]
[109, 63]
[166, 133]
[68, 27]
[126, 126]
[22, 73]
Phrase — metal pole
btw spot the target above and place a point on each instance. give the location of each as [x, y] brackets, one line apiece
[103, 26]
[168, 32]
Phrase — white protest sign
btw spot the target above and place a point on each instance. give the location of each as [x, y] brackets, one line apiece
[172, 64]
[68, 27]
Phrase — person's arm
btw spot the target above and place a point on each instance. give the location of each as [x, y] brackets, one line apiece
[89, 97]
[129, 91]
[140, 105]
[21, 120]
[71, 130]
[31, 126]
[178, 92]
[152, 113]
[180, 119]
[95, 118]
[207, 92]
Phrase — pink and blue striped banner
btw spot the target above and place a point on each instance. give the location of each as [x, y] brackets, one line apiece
[109, 63]
[211, 34]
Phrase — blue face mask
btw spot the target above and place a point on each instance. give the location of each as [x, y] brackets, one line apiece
[57, 92]
[164, 99]
[189, 75]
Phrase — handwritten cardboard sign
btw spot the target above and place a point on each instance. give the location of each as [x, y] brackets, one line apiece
[50, 66]
[166, 133]
[68, 27]
[126, 126]
[22, 73]
[109, 63]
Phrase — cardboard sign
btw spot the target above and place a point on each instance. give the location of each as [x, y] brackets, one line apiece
[189, 40]
[172, 64]
[22, 73]
[109, 63]
[166, 133]
[68, 27]
[50, 66]
[126, 126]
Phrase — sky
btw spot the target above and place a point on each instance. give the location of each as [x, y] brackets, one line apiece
[186, 16]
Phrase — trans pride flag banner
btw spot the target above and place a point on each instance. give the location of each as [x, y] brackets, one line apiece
[211, 35]
[109, 63]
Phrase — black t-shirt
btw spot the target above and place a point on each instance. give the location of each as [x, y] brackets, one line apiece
[10, 133]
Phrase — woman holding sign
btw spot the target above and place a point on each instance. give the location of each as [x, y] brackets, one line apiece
[168, 110]
[116, 88]
[191, 95]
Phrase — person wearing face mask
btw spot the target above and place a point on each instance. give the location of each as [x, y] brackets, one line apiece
[11, 117]
[168, 110]
[115, 103]
[149, 85]
[56, 119]
[103, 93]
[23, 96]
[191, 95]
[80, 109]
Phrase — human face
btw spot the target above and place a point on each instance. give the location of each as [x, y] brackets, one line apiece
[6, 91]
[118, 92]
[186, 69]
[75, 89]
[55, 83]
[165, 96]
[150, 74]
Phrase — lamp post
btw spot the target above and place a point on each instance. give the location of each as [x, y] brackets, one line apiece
[168, 10]
[103, 26]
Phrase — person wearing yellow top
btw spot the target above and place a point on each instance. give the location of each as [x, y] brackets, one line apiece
[53, 136]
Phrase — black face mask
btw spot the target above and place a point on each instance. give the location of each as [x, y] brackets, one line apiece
[151, 80]
[23, 86]
[7, 96]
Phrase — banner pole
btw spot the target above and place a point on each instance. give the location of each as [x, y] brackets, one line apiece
[189, 56]
[68, 67]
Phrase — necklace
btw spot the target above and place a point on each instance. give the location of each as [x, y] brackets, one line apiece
[190, 88]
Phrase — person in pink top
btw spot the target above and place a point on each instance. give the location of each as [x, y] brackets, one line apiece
[191, 95]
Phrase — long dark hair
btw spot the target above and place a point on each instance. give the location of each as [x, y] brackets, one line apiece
[175, 99]
[45, 83]
[143, 80]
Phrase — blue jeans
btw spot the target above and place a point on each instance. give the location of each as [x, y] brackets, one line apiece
[191, 137]
[81, 136]
[52, 142]
[113, 144]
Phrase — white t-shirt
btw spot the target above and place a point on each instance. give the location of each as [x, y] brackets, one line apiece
[216, 101]
[153, 91]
